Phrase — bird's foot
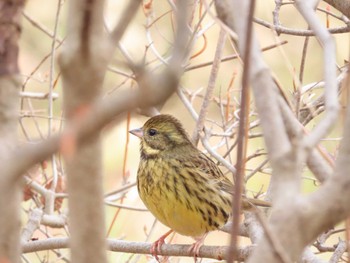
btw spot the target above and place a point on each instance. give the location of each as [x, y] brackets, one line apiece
[156, 246]
[195, 247]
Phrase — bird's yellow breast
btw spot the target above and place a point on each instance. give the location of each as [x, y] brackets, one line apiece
[174, 214]
[177, 200]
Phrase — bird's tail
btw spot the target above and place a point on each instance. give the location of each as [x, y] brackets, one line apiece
[248, 203]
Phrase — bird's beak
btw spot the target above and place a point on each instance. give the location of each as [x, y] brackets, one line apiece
[137, 132]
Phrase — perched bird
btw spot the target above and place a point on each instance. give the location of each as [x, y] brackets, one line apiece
[181, 186]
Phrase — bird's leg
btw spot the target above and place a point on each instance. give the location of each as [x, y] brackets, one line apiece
[155, 248]
[195, 247]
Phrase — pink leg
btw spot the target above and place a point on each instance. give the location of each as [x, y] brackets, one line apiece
[197, 245]
[155, 248]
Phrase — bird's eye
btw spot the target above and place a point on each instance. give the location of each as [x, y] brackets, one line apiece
[152, 132]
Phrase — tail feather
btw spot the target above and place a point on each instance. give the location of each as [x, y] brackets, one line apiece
[248, 203]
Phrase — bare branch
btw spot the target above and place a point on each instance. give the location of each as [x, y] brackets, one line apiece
[338, 253]
[125, 19]
[299, 32]
[216, 252]
[211, 86]
[167, 41]
[242, 134]
[331, 99]
[37, 95]
[32, 224]
[10, 195]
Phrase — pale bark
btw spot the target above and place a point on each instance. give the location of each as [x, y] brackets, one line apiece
[83, 63]
[10, 194]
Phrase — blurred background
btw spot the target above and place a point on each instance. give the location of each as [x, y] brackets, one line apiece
[148, 42]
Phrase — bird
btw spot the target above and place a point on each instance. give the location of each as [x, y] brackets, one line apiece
[180, 185]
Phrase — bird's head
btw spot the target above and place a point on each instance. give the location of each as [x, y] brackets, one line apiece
[161, 133]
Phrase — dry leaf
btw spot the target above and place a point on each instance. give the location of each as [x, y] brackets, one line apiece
[35, 174]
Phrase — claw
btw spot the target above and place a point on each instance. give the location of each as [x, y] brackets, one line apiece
[156, 246]
[195, 247]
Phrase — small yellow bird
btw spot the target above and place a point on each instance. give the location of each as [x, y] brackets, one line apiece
[181, 186]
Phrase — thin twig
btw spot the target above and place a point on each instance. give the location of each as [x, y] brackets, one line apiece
[121, 189]
[299, 32]
[301, 77]
[232, 57]
[242, 138]
[41, 27]
[37, 95]
[50, 199]
[210, 88]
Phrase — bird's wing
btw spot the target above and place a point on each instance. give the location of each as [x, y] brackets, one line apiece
[214, 174]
